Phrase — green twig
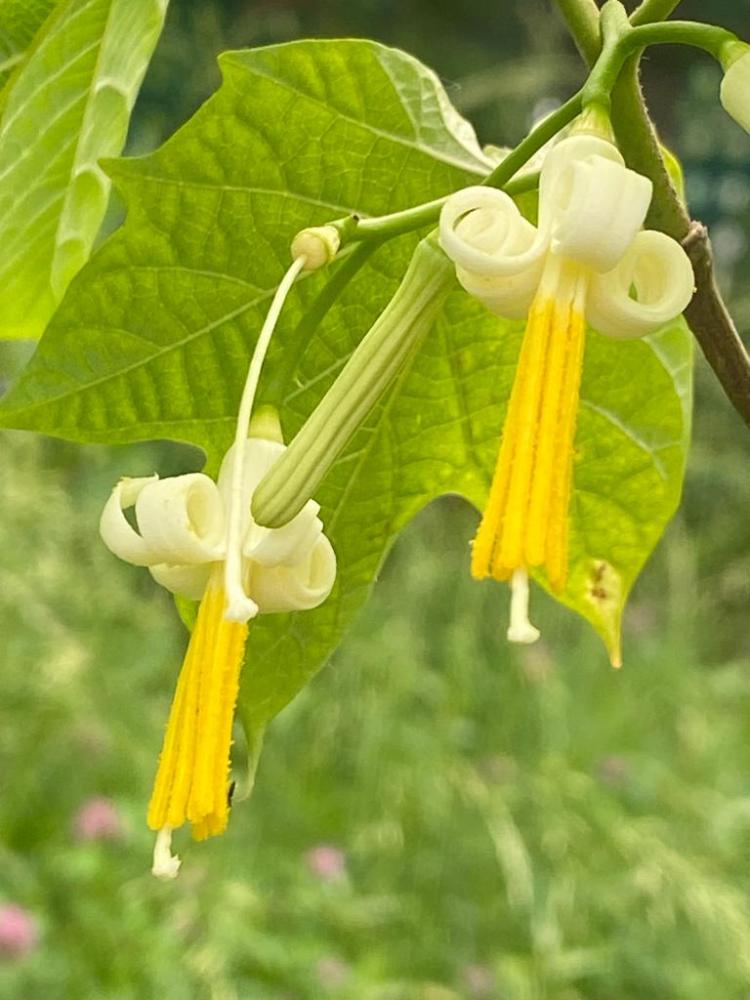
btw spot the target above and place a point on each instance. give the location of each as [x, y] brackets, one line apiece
[709, 37]
[385, 227]
[544, 131]
[639, 143]
[653, 10]
[582, 19]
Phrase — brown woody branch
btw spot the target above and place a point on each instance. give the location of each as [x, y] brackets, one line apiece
[713, 327]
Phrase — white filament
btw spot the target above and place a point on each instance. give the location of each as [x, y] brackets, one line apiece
[520, 628]
[659, 271]
[165, 864]
[239, 606]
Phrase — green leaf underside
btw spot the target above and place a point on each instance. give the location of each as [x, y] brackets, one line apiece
[66, 106]
[154, 335]
[19, 22]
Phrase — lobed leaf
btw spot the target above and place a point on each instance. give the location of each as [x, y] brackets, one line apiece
[154, 335]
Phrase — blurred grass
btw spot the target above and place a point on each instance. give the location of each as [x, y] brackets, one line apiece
[515, 824]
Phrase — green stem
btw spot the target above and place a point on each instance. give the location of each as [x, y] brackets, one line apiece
[653, 10]
[582, 19]
[534, 141]
[376, 360]
[621, 41]
[615, 30]
[277, 386]
[639, 143]
[385, 227]
[352, 229]
[709, 37]
[707, 315]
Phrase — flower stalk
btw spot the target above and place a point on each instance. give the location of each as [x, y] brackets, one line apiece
[375, 363]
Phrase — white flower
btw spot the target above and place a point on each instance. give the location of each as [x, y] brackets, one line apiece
[587, 261]
[199, 540]
[591, 210]
[182, 535]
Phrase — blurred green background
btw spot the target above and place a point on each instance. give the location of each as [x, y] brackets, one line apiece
[438, 815]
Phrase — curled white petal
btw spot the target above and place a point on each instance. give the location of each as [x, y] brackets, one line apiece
[288, 545]
[561, 157]
[605, 207]
[592, 204]
[483, 232]
[509, 297]
[296, 588]
[182, 519]
[657, 270]
[187, 581]
[114, 528]
[735, 91]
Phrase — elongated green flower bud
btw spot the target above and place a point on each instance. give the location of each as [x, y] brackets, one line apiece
[373, 366]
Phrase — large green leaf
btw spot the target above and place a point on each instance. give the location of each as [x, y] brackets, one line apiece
[154, 335]
[66, 106]
[19, 22]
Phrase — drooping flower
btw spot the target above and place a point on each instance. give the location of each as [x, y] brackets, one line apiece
[182, 539]
[587, 262]
[199, 540]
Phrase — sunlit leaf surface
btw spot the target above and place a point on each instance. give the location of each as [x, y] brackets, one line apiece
[154, 335]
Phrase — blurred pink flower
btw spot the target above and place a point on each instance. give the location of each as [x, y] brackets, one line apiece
[614, 770]
[327, 862]
[478, 980]
[18, 931]
[331, 972]
[98, 819]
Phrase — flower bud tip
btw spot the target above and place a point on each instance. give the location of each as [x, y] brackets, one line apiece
[318, 245]
[735, 87]
[265, 424]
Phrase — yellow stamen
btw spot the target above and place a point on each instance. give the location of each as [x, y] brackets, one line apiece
[525, 523]
[192, 779]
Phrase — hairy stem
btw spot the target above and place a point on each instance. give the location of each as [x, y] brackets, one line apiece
[639, 142]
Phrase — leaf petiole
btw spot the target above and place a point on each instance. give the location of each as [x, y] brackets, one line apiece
[354, 229]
